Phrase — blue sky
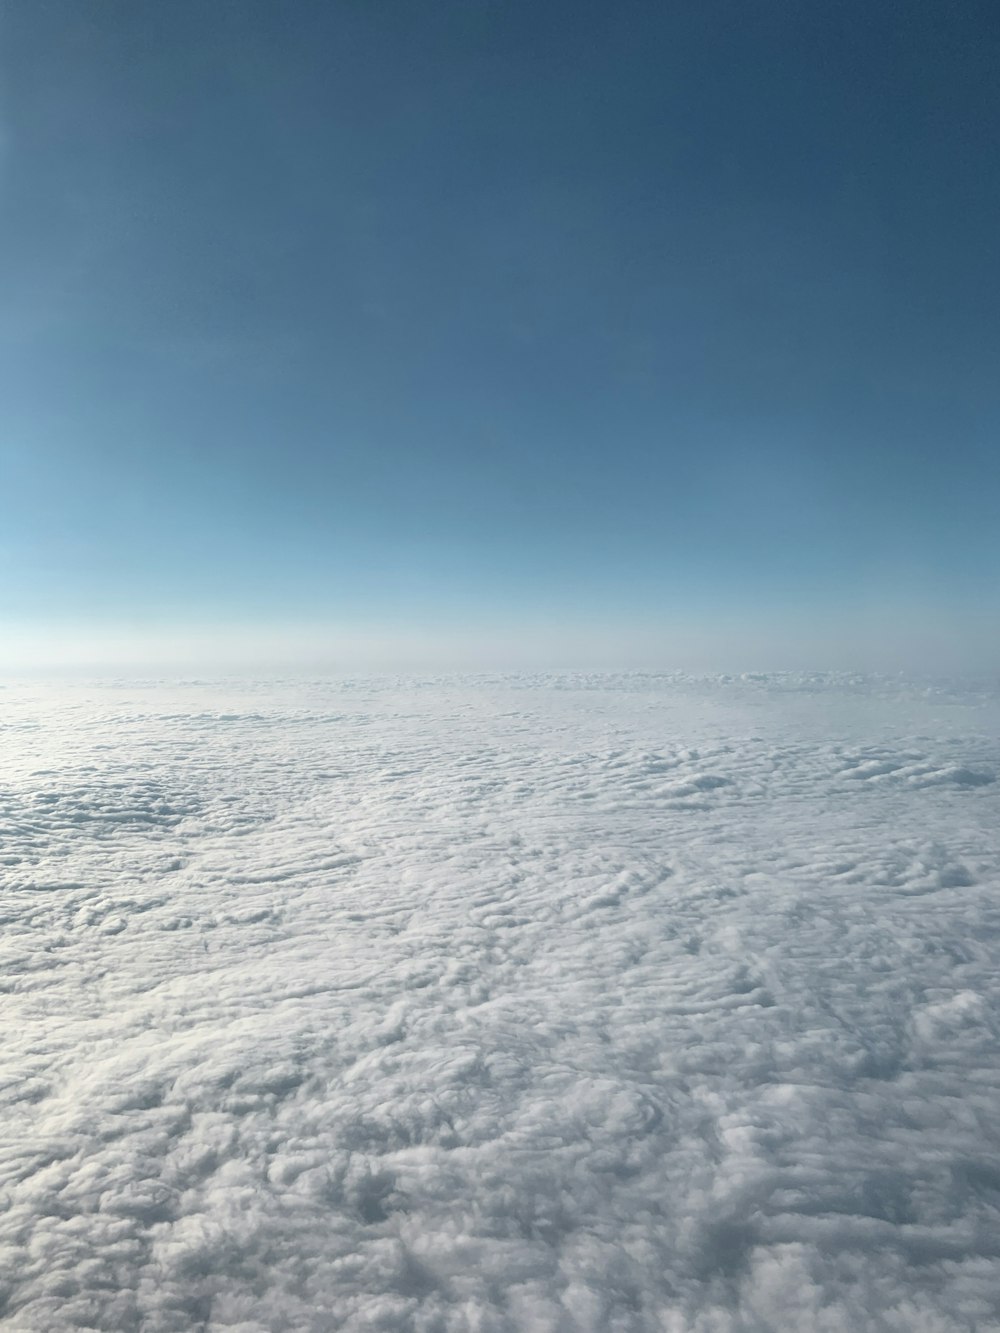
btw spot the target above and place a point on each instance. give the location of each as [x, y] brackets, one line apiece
[630, 326]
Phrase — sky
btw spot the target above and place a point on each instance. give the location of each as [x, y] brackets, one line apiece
[476, 333]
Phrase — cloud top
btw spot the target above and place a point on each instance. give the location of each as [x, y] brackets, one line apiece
[561, 1003]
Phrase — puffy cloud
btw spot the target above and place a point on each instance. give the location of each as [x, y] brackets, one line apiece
[556, 1003]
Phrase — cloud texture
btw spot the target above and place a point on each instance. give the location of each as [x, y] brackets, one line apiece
[552, 1003]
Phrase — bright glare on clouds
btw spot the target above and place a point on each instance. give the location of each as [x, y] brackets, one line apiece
[547, 1003]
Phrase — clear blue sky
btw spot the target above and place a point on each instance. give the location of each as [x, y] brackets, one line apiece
[483, 314]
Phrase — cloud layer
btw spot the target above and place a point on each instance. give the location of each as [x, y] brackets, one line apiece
[552, 1003]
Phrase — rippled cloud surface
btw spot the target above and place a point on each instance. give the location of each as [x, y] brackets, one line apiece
[544, 1003]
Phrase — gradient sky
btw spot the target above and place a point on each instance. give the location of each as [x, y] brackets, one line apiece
[469, 318]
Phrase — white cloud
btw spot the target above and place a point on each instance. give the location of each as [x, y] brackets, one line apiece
[570, 1003]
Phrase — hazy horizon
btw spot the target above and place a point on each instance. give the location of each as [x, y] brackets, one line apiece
[914, 646]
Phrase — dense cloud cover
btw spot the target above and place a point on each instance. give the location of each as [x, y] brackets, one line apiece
[556, 1003]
